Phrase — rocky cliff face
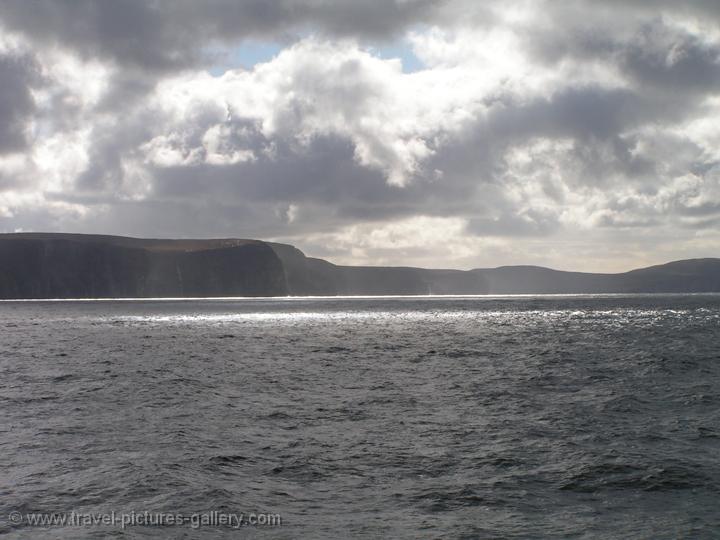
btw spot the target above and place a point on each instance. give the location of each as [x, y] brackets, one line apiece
[308, 276]
[86, 266]
[37, 265]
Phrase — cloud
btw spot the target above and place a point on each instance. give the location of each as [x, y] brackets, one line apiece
[313, 89]
[174, 34]
[533, 132]
[18, 74]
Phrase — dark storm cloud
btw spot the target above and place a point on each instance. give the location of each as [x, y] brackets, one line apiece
[654, 54]
[18, 73]
[171, 34]
[582, 112]
[674, 61]
[125, 30]
[323, 176]
[696, 8]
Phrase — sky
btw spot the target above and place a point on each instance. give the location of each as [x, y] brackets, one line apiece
[578, 135]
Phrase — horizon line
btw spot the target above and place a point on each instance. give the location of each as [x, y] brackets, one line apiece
[358, 297]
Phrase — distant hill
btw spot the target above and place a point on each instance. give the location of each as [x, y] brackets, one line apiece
[308, 276]
[696, 275]
[51, 265]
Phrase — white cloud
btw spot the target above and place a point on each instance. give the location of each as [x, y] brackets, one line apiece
[407, 241]
[318, 88]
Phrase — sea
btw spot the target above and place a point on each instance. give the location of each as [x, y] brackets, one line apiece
[590, 416]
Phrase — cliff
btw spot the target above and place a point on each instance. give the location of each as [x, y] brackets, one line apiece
[308, 276]
[46, 265]
[89, 266]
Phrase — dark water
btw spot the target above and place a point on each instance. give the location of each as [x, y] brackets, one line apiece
[578, 417]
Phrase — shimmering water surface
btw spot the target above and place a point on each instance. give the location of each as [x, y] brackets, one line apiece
[522, 417]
